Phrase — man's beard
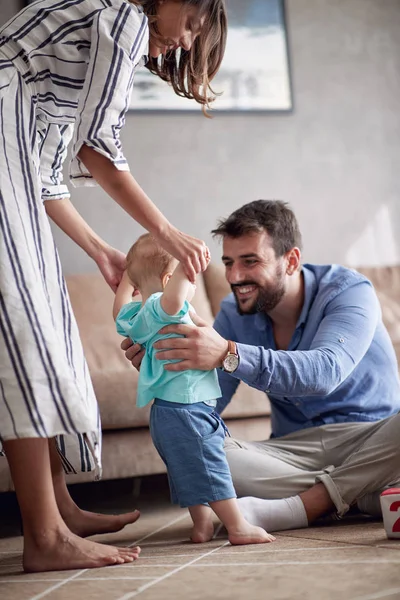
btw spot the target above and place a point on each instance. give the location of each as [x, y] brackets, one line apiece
[267, 298]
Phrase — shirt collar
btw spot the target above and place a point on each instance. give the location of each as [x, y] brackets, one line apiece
[310, 288]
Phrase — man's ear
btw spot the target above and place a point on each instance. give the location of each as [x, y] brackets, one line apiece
[165, 278]
[293, 259]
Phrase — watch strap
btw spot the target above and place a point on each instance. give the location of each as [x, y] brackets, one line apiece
[232, 348]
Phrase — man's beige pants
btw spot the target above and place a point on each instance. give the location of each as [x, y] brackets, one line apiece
[355, 462]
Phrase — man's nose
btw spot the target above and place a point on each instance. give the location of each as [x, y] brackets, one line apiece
[235, 275]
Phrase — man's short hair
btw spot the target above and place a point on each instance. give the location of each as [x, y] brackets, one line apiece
[273, 216]
[147, 259]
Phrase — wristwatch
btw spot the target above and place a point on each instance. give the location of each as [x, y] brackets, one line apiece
[231, 360]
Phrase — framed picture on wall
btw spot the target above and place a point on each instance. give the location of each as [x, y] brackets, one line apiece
[254, 75]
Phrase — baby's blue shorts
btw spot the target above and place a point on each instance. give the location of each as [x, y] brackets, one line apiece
[190, 440]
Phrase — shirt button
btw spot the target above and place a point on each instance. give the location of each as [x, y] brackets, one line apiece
[297, 403]
[267, 391]
[341, 340]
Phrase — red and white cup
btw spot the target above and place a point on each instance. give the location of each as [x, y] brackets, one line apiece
[390, 503]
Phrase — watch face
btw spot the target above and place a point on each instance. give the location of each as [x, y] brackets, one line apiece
[231, 363]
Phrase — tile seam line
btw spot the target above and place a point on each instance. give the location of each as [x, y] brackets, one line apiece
[81, 572]
[145, 537]
[167, 575]
[360, 544]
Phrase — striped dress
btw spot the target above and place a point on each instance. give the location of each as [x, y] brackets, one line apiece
[66, 73]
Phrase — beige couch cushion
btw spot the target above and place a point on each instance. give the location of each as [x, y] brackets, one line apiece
[216, 286]
[247, 401]
[114, 379]
[131, 453]
[386, 281]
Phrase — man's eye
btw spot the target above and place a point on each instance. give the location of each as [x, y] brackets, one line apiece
[249, 263]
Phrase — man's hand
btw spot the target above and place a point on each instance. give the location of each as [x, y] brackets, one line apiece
[133, 352]
[201, 348]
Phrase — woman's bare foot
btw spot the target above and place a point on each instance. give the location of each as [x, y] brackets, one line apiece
[202, 531]
[250, 534]
[84, 523]
[61, 550]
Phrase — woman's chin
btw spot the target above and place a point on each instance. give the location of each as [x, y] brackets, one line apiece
[155, 52]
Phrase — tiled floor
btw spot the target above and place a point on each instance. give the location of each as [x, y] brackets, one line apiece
[336, 561]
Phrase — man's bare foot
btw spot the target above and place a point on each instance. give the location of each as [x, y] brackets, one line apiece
[84, 523]
[61, 550]
[202, 531]
[250, 534]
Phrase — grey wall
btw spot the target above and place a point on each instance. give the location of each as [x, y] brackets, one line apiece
[336, 158]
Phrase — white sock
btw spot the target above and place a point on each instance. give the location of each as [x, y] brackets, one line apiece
[274, 515]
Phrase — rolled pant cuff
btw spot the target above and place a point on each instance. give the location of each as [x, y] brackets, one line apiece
[341, 506]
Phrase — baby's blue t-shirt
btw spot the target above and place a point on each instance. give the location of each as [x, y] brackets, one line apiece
[142, 324]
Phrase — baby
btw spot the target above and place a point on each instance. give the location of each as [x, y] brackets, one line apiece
[186, 431]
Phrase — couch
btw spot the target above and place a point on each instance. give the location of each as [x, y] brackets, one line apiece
[127, 447]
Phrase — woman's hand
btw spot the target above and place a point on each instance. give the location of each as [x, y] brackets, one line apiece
[112, 264]
[191, 252]
[126, 191]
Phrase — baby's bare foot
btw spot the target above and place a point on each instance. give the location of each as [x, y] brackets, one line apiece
[250, 534]
[202, 531]
[62, 550]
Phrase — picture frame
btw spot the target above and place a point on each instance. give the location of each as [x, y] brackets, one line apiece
[255, 72]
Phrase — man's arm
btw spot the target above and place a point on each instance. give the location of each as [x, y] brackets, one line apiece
[342, 339]
[227, 383]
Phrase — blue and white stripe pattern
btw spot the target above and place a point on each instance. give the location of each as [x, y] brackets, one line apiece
[80, 57]
[66, 68]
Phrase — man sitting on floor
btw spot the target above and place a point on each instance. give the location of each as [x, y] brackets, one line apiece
[312, 338]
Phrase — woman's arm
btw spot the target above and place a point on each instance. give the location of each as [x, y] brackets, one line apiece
[110, 261]
[125, 190]
[65, 215]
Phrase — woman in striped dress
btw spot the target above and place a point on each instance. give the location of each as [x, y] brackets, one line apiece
[66, 72]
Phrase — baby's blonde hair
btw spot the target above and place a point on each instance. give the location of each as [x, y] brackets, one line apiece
[147, 259]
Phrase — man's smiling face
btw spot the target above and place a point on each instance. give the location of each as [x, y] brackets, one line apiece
[255, 274]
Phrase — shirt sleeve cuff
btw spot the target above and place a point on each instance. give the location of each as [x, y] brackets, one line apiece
[81, 177]
[55, 192]
[250, 365]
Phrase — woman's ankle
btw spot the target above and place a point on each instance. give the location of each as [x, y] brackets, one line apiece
[44, 534]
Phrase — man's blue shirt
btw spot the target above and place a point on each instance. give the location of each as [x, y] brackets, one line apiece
[340, 364]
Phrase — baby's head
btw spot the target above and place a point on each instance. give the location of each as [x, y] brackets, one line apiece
[149, 266]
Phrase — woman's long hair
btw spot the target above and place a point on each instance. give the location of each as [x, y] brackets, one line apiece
[191, 72]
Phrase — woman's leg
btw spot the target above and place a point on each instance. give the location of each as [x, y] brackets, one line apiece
[82, 522]
[48, 543]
